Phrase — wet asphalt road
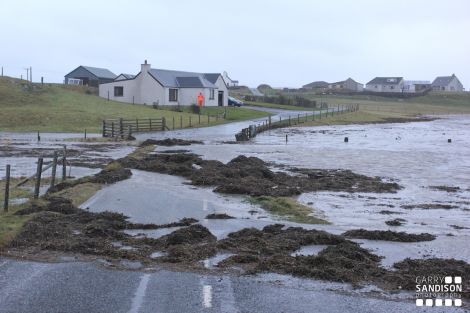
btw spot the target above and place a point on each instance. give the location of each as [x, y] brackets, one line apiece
[87, 287]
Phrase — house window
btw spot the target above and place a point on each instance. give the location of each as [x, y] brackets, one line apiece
[392, 87]
[173, 95]
[118, 91]
[212, 94]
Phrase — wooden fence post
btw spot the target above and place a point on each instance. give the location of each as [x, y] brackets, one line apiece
[38, 179]
[112, 129]
[173, 122]
[136, 124]
[7, 189]
[85, 133]
[64, 164]
[208, 119]
[150, 122]
[190, 121]
[181, 121]
[163, 123]
[54, 169]
[199, 115]
[104, 128]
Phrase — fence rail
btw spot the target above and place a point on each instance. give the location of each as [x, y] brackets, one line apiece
[126, 127]
[250, 132]
[56, 160]
[123, 128]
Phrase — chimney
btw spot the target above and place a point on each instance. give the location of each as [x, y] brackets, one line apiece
[145, 67]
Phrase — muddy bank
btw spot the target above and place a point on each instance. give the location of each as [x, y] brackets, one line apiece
[445, 188]
[169, 142]
[388, 235]
[59, 227]
[407, 271]
[252, 176]
[106, 176]
[430, 206]
[396, 222]
[218, 216]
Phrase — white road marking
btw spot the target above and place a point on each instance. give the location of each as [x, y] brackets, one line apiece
[140, 294]
[207, 296]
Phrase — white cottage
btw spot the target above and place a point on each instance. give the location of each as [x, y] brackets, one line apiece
[386, 84]
[447, 83]
[165, 87]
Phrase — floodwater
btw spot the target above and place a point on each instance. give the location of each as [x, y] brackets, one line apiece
[21, 151]
[415, 155]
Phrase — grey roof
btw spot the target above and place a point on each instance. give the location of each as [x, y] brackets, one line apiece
[385, 81]
[189, 82]
[127, 76]
[344, 81]
[100, 72]
[318, 84]
[170, 78]
[212, 77]
[442, 81]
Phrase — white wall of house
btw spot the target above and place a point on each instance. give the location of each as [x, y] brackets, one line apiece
[221, 86]
[386, 87]
[144, 89]
[454, 85]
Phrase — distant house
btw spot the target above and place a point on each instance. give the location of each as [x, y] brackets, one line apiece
[90, 76]
[447, 83]
[230, 82]
[316, 85]
[166, 87]
[347, 85]
[386, 84]
[416, 85]
[124, 77]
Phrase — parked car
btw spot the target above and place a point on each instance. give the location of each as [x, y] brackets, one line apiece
[235, 102]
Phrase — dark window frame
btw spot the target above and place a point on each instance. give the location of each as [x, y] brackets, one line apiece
[173, 95]
[119, 94]
[212, 94]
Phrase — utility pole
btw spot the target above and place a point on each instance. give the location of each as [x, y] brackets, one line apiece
[31, 73]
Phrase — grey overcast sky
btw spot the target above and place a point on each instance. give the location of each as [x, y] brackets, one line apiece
[282, 43]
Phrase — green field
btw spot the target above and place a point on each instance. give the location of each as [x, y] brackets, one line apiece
[61, 108]
[433, 103]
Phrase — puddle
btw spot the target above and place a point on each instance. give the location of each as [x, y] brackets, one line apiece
[213, 261]
[309, 250]
[158, 254]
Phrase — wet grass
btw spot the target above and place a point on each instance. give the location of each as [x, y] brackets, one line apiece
[63, 108]
[287, 209]
[80, 193]
[11, 224]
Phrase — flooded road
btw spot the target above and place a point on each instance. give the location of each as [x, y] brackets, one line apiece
[417, 156]
[86, 287]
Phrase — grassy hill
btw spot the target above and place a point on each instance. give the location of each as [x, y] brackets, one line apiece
[62, 108]
[432, 103]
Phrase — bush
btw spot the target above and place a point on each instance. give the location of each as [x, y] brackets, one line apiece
[281, 99]
[194, 108]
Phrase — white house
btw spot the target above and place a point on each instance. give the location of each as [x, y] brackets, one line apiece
[347, 85]
[416, 85]
[123, 76]
[164, 87]
[447, 83]
[386, 84]
[230, 82]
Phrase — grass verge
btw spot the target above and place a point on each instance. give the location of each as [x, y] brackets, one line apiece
[288, 209]
[63, 108]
